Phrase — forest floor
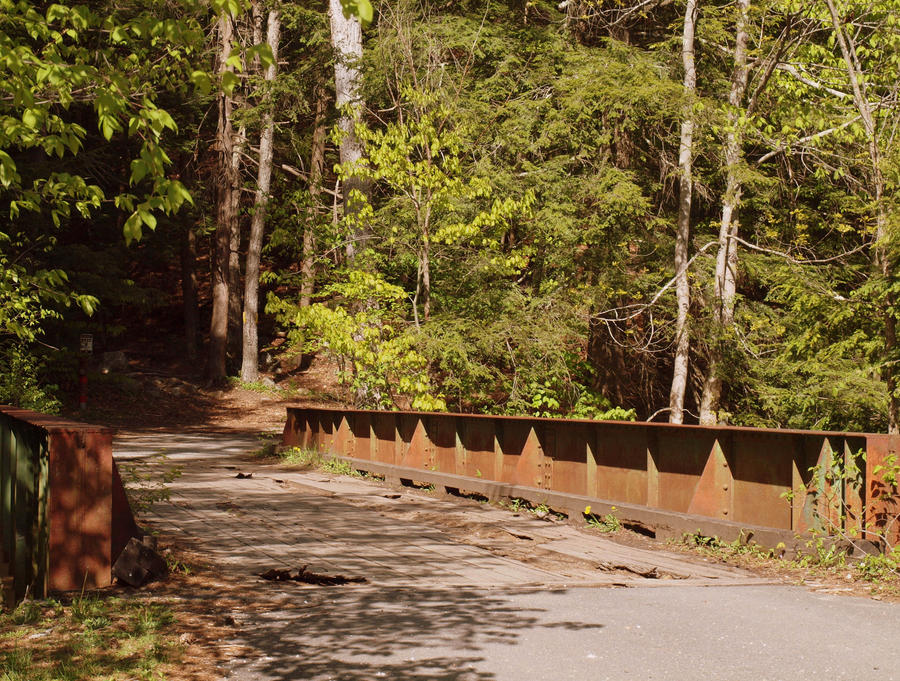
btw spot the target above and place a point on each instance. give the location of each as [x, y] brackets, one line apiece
[160, 389]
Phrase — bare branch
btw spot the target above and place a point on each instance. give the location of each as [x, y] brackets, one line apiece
[809, 138]
[806, 80]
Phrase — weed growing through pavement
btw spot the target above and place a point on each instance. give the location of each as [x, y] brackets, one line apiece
[176, 565]
[515, 504]
[820, 558]
[146, 484]
[519, 505]
[834, 518]
[713, 546]
[312, 458]
[606, 523]
[269, 445]
[880, 566]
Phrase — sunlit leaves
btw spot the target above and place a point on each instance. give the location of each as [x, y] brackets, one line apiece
[60, 64]
[360, 8]
[421, 161]
[362, 329]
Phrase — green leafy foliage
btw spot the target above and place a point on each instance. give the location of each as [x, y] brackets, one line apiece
[21, 381]
[78, 78]
[363, 329]
[360, 8]
[522, 181]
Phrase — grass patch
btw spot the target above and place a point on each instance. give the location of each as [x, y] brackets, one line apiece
[260, 387]
[819, 559]
[92, 637]
[312, 458]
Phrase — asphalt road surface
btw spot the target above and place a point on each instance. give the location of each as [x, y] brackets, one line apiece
[518, 599]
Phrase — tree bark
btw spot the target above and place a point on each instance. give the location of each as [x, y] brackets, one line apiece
[426, 280]
[881, 256]
[235, 290]
[683, 233]
[189, 290]
[225, 213]
[316, 173]
[346, 41]
[234, 279]
[250, 349]
[726, 256]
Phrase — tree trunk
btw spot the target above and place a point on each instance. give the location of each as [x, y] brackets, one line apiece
[189, 290]
[234, 280]
[881, 255]
[726, 256]
[235, 290]
[346, 41]
[683, 233]
[426, 281]
[250, 349]
[225, 215]
[316, 172]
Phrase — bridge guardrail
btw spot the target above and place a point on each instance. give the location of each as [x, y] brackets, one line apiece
[765, 478]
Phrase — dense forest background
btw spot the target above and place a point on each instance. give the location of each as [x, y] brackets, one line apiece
[636, 209]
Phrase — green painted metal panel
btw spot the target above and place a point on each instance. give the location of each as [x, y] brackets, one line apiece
[36, 542]
[29, 555]
[9, 530]
[6, 487]
[23, 502]
[41, 554]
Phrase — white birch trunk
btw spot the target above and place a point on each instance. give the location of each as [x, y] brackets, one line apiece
[250, 349]
[346, 41]
[726, 255]
[683, 233]
[882, 259]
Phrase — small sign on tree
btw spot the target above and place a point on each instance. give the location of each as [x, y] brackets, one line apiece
[86, 344]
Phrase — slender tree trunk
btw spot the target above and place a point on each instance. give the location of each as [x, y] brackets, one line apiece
[726, 256]
[346, 41]
[189, 290]
[225, 216]
[316, 173]
[426, 281]
[683, 233]
[881, 254]
[426, 259]
[234, 282]
[308, 267]
[250, 350]
[235, 290]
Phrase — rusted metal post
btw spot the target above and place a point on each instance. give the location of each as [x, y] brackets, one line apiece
[882, 506]
[64, 516]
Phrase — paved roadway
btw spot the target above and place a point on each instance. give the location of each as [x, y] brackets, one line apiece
[573, 607]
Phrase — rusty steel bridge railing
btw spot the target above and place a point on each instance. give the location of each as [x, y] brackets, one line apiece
[730, 481]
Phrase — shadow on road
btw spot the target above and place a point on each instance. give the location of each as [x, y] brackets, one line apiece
[400, 634]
